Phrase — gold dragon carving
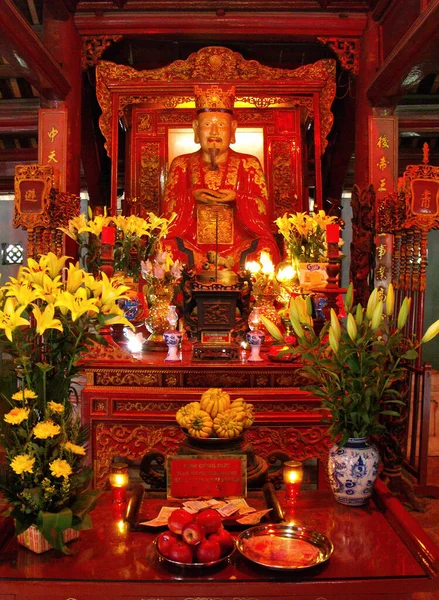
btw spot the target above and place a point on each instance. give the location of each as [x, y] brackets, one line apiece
[209, 64]
[94, 47]
[149, 176]
[347, 51]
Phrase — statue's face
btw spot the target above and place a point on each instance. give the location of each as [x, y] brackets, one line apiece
[214, 130]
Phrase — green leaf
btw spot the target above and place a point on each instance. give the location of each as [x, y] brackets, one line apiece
[410, 354]
[52, 526]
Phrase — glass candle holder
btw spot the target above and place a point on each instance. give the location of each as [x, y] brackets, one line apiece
[119, 482]
[292, 476]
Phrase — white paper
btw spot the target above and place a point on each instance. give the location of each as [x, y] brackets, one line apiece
[162, 518]
[253, 518]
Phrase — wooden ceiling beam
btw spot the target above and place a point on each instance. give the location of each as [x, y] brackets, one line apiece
[19, 117]
[8, 71]
[423, 125]
[19, 155]
[410, 60]
[242, 25]
[23, 49]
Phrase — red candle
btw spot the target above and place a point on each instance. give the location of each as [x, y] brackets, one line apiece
[332, 233]
[108, 235]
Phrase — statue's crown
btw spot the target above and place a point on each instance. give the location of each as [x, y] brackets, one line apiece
[214, 97]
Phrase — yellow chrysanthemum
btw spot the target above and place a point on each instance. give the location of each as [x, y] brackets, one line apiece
[23, 463]
[46, 429]
[26, 394]
[60, 468]
[74, 448]
[55, 407]
[16, 416]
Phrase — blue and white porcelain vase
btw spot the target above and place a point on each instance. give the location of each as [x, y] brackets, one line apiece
[352, 471]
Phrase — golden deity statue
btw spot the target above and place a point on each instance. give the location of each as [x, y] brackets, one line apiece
[220, 196]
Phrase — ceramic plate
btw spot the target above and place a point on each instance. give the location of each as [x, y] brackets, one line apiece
[275, 547]
[193, 565]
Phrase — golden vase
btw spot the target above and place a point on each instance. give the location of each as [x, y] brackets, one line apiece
[156, 323]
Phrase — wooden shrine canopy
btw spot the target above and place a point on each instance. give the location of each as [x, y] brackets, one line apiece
[280, 101]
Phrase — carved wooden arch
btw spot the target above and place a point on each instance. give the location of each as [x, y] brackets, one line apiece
[313, 86]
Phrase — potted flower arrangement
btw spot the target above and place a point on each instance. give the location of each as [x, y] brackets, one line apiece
[304, 234]
[137, 240]
[49, 316]
[355, 366]
[305, 243]
[87, 233]
[161, 276]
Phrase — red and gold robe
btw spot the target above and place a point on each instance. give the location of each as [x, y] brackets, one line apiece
[237, 224]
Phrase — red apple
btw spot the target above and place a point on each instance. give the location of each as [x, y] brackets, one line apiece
[165, 541]
[210, 519]
[193, 533]
[224, 539]
[178, 519]
[181, 552]
[207, 551]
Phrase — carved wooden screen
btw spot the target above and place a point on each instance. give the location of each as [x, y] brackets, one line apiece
[312, 88]
[147, 155]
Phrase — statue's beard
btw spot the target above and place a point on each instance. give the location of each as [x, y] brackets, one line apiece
[213, 152]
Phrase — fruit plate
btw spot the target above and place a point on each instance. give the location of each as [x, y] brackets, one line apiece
[284, 547]
[193, 565]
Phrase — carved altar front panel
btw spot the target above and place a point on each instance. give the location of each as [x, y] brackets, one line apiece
[131, 408]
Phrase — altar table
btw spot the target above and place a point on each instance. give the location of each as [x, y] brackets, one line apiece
[380, 553]
[130, 404]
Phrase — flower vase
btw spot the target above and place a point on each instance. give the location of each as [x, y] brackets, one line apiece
[352, 471]
[157, 322]
[34, 540]
[255, 338]
[172, 337]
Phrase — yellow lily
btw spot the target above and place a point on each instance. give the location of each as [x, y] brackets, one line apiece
[76, 226]
[116, 317]
[35, 271]
[21, 291]
[49, 291]
[96, 224]
[77, 304]
[45, 320]
[111, 291]
[75, 277]
[54, 265]
[10, 317]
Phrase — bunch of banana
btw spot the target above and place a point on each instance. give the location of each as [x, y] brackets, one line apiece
[216, 416]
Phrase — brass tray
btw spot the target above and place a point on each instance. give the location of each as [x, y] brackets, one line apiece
[193, 565]
[322, 543]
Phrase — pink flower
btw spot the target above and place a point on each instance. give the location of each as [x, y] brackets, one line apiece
[161, 257]
[146, 267]
[159, 271]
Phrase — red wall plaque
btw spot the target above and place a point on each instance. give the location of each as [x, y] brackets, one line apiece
[383, 156]
[52, 141]
[210, 476]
